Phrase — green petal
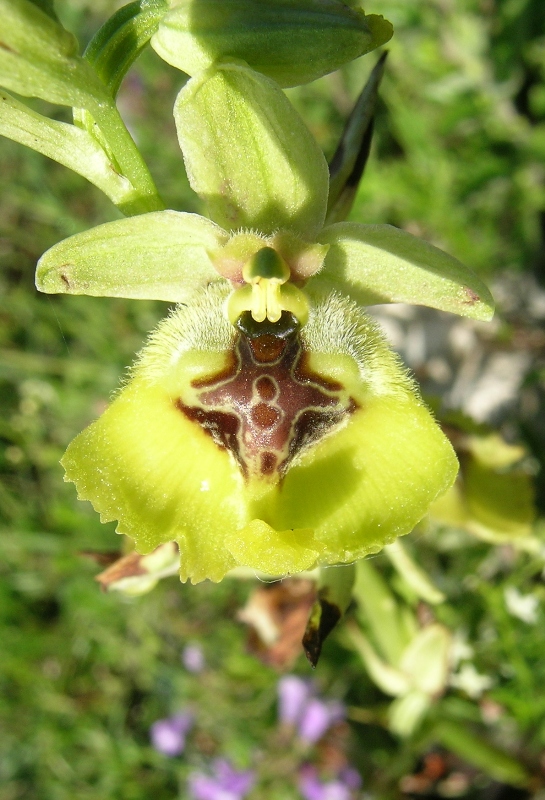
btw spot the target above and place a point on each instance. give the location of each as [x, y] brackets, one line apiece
[292, 42]
[153, 463]
[157, 256]
[249, 154]
[494, 497]
[382, 264]
[39, 58]
[494, 506]
[500, 504]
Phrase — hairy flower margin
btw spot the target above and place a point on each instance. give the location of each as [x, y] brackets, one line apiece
[266, 424]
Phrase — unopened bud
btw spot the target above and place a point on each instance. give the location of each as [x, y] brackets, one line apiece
[291, 41]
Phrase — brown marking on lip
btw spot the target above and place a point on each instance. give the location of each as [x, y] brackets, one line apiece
[267, 348]
[8, 49]
[268, 463]
[266, 388]
[222, 426]
[264, 416]
[267, 405]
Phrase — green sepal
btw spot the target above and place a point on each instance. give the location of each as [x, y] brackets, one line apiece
[39, 58]
[349, 160]
[70, 146]
[148, 464]
[248, 153]
[291, 41]
[383, 264]
[156, 256]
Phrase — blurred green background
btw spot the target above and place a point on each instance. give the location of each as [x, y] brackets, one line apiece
[458, 158]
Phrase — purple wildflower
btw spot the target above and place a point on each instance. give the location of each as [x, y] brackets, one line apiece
[350, 777]
[341, 788]
[193, 658]
[293, 696]
[226, 784]
[168, 735]
[317, 717]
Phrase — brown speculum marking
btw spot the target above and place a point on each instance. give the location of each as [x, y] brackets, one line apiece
[267, 405]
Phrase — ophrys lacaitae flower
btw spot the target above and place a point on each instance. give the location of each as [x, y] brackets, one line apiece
[266, 423]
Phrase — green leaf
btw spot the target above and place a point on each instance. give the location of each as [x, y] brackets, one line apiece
[458, 738]
[407, 712]
[413, 575]
[500, 504]
[39, 58]
[70, 146]
[380, 612]
[349, 160]
[291, 41]
[426, 659]
[382, 264]
[156, 256]
[389, 679]
[249, 154]
[47, 6]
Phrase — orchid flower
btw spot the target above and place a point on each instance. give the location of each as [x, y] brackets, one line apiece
[266, 424]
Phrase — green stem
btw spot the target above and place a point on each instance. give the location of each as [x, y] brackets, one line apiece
[127, 156]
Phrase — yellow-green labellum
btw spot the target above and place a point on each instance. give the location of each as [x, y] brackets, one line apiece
[269, 445]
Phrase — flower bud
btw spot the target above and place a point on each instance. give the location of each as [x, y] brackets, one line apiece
[291, 41]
